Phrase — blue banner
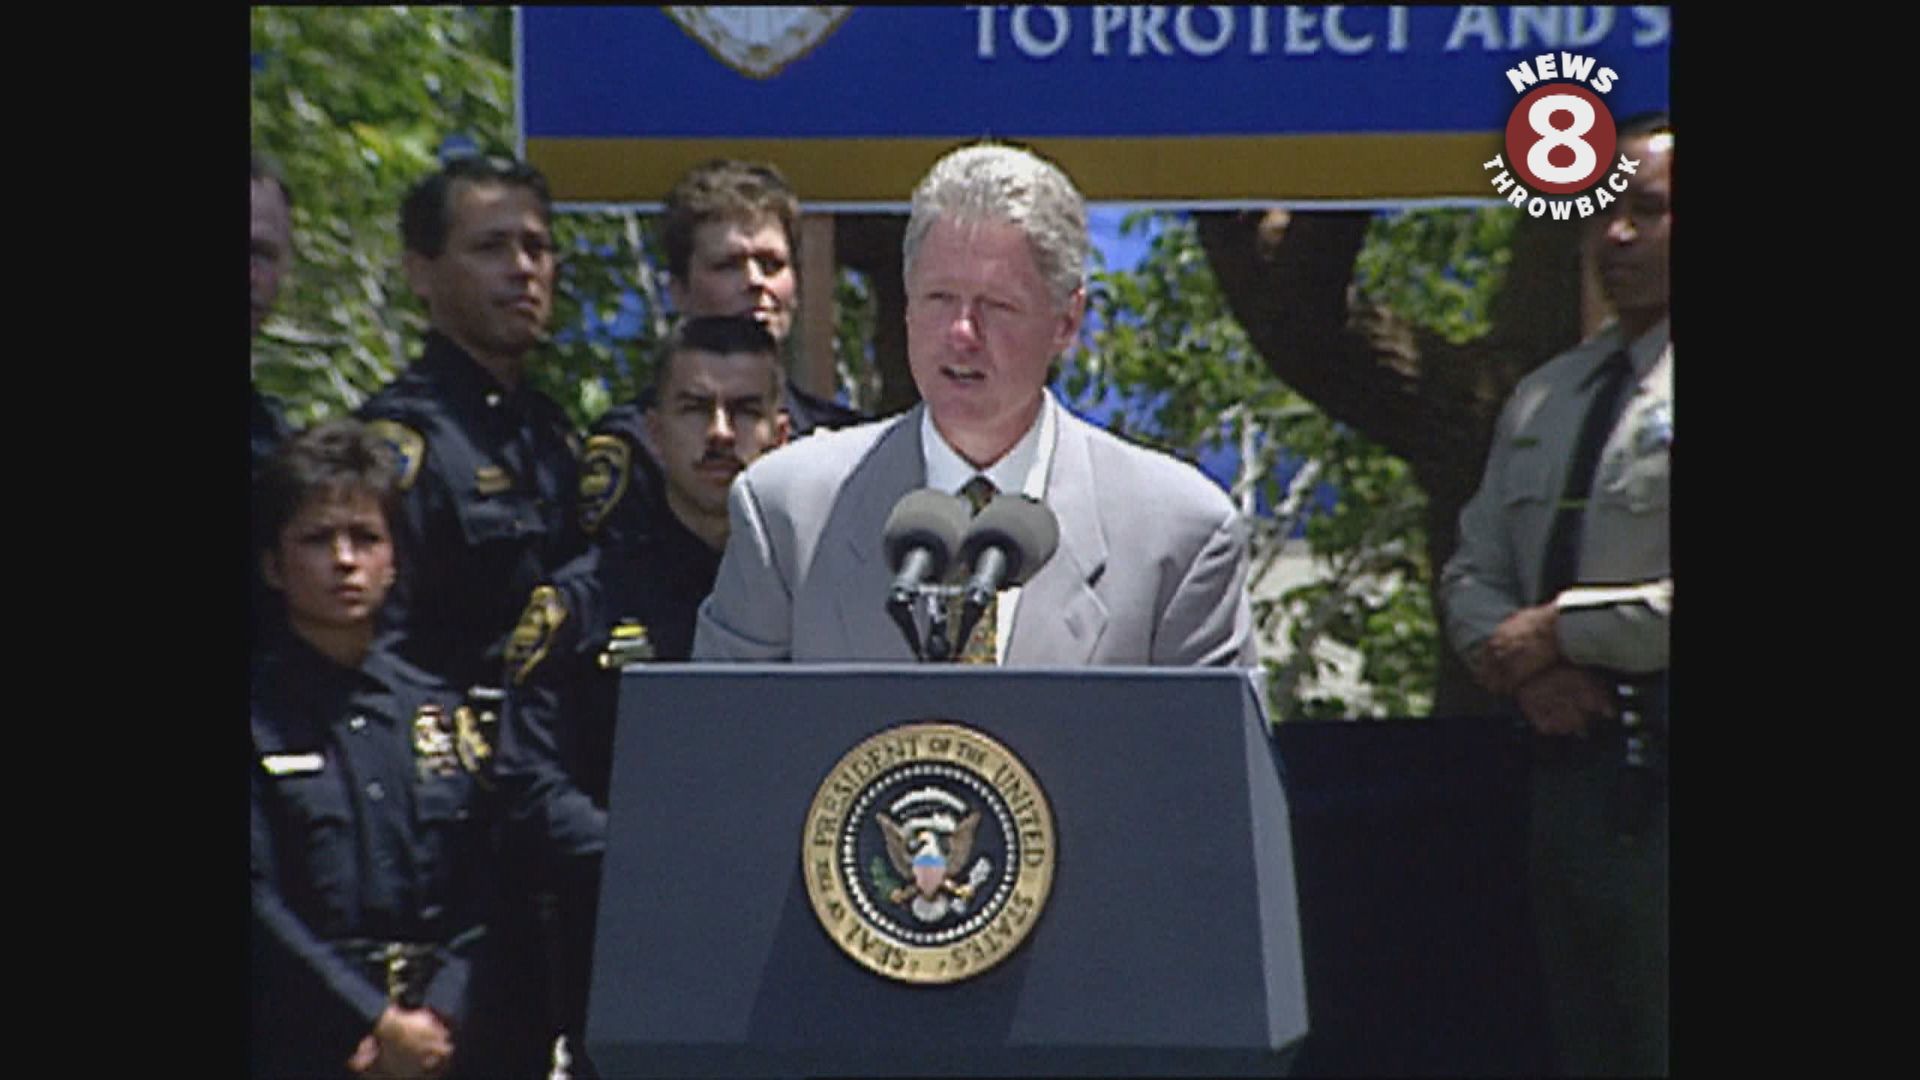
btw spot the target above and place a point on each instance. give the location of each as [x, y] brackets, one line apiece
[1184, 104]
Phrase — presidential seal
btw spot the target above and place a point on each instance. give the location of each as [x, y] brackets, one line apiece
[928, 853]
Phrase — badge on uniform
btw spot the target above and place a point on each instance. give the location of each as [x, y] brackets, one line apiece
[491, 480]
[409, 448]
[1655, 431]
[603, 479]
[470, 741]
[531, 639]
[433, 746]
[627, 644]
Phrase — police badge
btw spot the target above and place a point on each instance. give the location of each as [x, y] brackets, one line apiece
[928, 853]
[433, 742]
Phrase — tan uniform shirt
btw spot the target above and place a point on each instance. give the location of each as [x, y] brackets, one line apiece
[1625, 538]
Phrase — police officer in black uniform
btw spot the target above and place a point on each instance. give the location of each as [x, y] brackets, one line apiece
[729, 234]
[489, 465]
[373, 861]
[716, 409]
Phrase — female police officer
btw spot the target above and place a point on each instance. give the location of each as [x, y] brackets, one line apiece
[372, 872]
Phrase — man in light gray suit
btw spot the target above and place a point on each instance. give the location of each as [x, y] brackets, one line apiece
[1152, 560]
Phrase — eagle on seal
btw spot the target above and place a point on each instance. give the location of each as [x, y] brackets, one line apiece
[929, 866]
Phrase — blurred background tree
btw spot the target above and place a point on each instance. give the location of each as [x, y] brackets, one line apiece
[1166, 346]
[355, 105]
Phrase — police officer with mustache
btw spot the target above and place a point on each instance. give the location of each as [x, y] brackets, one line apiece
[715, 409]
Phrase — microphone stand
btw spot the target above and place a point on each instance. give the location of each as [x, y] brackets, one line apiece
[939, 646]
[900, 608]
[939, 643]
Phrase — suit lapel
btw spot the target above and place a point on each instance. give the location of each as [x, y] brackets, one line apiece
[891, 469]
[1060, 618]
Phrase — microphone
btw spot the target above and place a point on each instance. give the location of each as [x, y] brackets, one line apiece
[1006, 544]
[920, 538]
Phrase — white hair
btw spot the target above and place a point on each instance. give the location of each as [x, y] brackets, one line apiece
[993, 182]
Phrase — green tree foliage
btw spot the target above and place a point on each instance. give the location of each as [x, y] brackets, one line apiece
[1438, 268]
[355, 105]
[1163, 337]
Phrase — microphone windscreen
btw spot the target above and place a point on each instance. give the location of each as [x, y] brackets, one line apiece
[1020, 525]
[926, 518]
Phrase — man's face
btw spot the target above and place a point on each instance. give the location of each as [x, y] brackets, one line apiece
[333, 562]
[491, 288]
[716, 414]
[982, 329]
[740, 269]
[272, 246]
[1634, 235]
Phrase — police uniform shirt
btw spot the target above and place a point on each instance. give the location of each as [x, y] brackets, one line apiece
[1625, 530]
[563, 675]
[490, 478]
[368, 825]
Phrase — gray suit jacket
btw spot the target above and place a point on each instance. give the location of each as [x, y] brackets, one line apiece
[1151, 566]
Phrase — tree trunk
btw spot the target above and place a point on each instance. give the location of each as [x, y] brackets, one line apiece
[1288, 280]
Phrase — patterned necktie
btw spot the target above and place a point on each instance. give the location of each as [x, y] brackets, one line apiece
[1563, 543]
[983, 644]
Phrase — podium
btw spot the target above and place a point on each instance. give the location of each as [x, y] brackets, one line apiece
[1167, 944]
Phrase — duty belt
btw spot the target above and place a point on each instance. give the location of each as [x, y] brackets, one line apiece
[1642, 781]
[1635, 737]
[404, 968]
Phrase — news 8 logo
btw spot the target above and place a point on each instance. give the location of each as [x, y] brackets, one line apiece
[1560, 139]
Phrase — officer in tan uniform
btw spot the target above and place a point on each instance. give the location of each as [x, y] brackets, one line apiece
[1560, 596]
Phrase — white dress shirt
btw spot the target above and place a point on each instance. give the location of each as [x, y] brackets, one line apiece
[1023, 468]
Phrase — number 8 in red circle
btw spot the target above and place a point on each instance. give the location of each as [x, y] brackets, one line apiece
[1560, 139]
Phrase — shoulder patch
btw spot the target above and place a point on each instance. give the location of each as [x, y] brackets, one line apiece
[532, 638]
[604, 472]
[409, 448]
